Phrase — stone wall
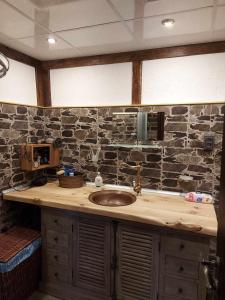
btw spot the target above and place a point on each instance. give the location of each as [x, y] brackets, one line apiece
[181, 152]
[18, 124]
[84, 129]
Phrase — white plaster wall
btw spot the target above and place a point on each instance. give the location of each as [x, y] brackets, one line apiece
[19, 84]
[190, 79]
[92, 85]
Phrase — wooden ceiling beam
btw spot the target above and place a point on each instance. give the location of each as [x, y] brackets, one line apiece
[19, 56]
[167, 52]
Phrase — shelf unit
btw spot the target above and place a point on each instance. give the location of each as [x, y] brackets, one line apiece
[49, 156]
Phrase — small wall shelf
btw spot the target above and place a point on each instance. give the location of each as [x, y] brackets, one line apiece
[38, 156]
[134, 146]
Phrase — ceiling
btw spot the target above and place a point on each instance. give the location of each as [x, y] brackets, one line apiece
[91, 27]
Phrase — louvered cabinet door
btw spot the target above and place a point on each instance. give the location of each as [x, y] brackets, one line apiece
[92, 256]
[137, 265]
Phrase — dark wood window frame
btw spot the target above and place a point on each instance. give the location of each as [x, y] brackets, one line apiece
[43, 68]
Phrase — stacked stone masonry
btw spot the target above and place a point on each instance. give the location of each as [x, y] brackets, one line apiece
[83, 130]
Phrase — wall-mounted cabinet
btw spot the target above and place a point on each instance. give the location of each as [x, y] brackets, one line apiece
[38, 156]
[136, 128]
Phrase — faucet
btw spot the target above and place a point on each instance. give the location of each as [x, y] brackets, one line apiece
[136, 183]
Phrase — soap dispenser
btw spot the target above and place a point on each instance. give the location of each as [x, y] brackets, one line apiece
[98, 180]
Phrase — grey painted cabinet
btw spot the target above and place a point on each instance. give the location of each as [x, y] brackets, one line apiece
[89, 257]
[92, 255]
[137, 263]
[181, 275]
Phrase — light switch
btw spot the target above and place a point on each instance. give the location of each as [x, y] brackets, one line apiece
[208, 142]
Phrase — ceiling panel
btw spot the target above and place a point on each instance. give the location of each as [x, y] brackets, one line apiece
[90, 27]
[130, 9]
[97, 35]
[40, 49]
[40, 42]
[63, 15]
[15, 25]
[150, 28]
[220, 18]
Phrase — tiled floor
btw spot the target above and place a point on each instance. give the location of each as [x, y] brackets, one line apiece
[39, 296]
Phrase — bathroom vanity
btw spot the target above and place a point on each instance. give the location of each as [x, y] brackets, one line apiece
[151, 249]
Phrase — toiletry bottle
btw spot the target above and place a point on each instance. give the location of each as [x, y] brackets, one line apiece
[98, 180]
[199, 197]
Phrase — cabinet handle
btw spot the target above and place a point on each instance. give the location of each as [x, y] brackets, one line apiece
[210, 269]
[181, 269]
[56, 275]
[56, 257]
[180, 291]
[56, 221]
[56, 239]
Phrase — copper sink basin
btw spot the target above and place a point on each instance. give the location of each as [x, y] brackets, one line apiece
[112, 198]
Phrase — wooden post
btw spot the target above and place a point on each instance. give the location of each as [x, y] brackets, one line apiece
[43, 86]
[137, 82]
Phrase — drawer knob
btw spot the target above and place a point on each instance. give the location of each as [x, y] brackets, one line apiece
[181, 269]
[56, 275]
[56, 257]
[55, 221]
[56, 239]
[181, 246]
[180, 291]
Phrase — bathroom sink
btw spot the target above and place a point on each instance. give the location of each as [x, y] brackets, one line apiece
[112, 198]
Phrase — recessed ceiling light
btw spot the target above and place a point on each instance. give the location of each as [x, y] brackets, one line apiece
[168, 23]
[51, 40]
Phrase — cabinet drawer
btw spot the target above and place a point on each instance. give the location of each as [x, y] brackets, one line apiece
[180, 288]
[57, 274]
[184, 248]
[54, 257]
[181, 267]
[57, 222]
[57, 240]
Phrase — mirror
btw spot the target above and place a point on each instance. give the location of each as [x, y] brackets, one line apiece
[137, 127]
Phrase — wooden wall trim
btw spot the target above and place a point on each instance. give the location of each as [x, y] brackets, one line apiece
[19, 56]
[137, 82]
[168, 52]
[43, 87]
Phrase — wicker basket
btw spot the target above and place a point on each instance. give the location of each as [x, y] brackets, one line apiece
[76, 181]
[22, 280]
[20, 283]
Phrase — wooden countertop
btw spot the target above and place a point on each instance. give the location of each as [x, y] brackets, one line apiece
[151, 208]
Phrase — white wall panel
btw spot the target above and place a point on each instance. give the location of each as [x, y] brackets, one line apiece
[190, 79]
[19, 84]
[92, 85]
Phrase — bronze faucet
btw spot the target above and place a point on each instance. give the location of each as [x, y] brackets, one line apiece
[137, 183]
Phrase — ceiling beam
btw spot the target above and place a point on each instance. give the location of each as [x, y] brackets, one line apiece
[167, 52]
[19, 56]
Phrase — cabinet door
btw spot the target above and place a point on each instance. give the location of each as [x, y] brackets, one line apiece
[137, 265]
[92, 256]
